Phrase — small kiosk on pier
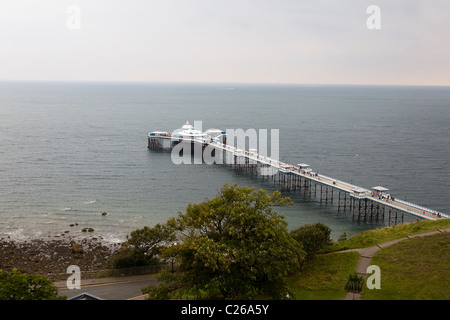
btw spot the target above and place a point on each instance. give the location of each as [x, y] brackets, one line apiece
[380, 192]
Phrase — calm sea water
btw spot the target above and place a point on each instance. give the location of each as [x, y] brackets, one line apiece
[69, 151]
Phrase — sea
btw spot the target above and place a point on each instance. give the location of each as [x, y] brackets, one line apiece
[70, 151]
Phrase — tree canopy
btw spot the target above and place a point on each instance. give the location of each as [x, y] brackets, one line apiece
[142, 247]
[314, 237]
[234, 246]
[15, 285]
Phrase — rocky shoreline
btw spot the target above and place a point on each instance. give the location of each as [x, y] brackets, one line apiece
[52, 256]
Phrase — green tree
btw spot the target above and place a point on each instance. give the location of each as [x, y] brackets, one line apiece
[142, 247]
[314, 237]
[234, 246]
[15, 285]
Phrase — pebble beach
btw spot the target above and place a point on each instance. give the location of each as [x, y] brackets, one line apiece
[51, 257]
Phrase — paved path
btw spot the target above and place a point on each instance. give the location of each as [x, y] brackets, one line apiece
[367, 254]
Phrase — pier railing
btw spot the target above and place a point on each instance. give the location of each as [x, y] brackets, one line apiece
[285, 170]
[422, 208]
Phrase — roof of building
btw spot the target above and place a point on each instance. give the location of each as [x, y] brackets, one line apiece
[360, 190]
[85, 296]
[380, 188]
[187, 126]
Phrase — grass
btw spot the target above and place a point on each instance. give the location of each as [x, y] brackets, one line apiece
[414, 269]
[324, 277]
[373, 237]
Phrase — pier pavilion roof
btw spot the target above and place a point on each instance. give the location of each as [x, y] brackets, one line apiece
[380, 188]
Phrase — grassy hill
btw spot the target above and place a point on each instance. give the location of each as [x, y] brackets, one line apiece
[411, 269]
[324, 277]
[414, 269]
[373, 237]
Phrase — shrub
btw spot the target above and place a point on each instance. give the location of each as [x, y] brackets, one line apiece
[314, 237]
[354, 283]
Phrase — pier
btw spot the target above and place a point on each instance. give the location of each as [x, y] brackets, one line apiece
[364, 204]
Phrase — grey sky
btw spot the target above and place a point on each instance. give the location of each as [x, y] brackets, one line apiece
[261, 41]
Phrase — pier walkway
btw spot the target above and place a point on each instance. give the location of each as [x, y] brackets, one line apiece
[350, 189]
[365, 204]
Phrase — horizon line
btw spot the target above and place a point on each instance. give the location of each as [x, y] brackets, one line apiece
[219, 83]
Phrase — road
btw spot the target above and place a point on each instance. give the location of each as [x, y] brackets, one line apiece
[123, 288]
